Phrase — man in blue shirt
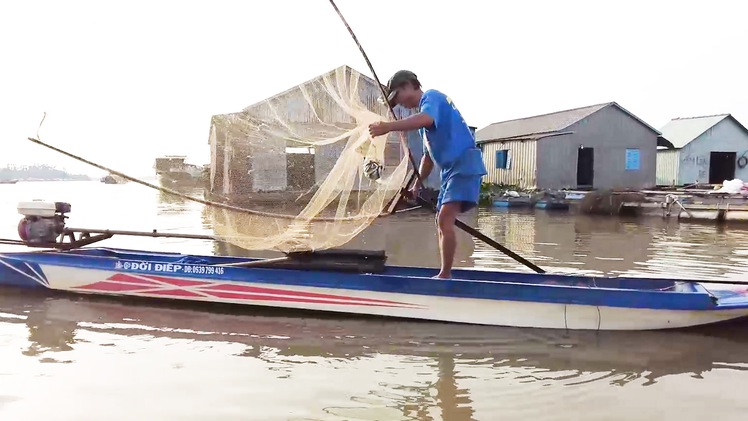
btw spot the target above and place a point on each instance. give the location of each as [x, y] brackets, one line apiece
[448, 141]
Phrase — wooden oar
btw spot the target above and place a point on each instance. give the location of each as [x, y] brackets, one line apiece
[486, 239]
[404, 144]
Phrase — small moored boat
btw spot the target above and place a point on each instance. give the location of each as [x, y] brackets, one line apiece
[113, 179]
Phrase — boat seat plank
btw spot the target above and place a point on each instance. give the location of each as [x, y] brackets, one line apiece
[360, 261]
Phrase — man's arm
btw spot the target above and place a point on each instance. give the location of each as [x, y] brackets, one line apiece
[424, 169]
[431, 103]
[414, 122]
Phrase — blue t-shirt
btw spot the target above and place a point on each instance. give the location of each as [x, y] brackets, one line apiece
[449, 141]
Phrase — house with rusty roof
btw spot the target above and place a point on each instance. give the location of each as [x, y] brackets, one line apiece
[601, 146]
[707, 149]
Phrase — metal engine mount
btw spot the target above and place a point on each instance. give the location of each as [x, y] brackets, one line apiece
[43, 222]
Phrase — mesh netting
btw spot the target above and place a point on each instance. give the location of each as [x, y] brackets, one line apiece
[304, 166]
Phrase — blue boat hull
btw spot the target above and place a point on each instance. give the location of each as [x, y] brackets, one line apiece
[479, 297]
[513, 202]
[548, 205]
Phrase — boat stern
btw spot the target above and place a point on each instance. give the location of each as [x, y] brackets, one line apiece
[732, 298]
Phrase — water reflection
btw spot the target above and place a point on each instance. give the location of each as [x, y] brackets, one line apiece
[171, 203]
[564, 243]
[408, 239]
[420, 366]
[559, 242]
[165, 198]
[611, 246]
[47, 335]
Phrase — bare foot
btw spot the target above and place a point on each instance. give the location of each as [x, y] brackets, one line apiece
[443, 276]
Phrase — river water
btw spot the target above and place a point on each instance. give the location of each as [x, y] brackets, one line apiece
[74, 358]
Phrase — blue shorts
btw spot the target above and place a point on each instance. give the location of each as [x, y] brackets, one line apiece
[460, 188]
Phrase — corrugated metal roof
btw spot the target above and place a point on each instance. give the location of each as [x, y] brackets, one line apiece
[540, 126]
[531, 127]
[682, 131]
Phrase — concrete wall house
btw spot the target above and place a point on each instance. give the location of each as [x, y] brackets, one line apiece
[601, 146]
[708, 149]
[278, 166]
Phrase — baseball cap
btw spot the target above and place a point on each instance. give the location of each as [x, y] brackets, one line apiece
[396, 80]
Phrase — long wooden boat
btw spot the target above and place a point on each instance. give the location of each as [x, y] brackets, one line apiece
[359, 282]
[477, 297]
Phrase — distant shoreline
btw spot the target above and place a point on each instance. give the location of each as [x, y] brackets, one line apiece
[38, 173]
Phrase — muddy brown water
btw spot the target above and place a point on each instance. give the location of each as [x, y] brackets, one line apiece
[66, 357]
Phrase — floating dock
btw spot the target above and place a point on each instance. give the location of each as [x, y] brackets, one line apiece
[699, 212]
[695, 206]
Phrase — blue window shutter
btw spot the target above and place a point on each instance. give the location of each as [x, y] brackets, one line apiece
[502, 159]
[632, 160]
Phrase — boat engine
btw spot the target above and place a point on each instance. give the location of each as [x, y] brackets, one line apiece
[42, 221]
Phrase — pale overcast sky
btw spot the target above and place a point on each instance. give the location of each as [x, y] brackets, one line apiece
[125, 81]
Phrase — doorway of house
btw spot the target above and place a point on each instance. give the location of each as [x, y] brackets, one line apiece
[721, 167]
[299, 169]
[585, 167]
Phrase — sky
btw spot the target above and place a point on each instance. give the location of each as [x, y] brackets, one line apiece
[125, 81]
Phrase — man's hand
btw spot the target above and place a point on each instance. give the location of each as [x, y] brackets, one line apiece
[414, 190]
[379, 129]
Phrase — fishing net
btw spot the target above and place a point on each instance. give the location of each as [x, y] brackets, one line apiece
[299, 170]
